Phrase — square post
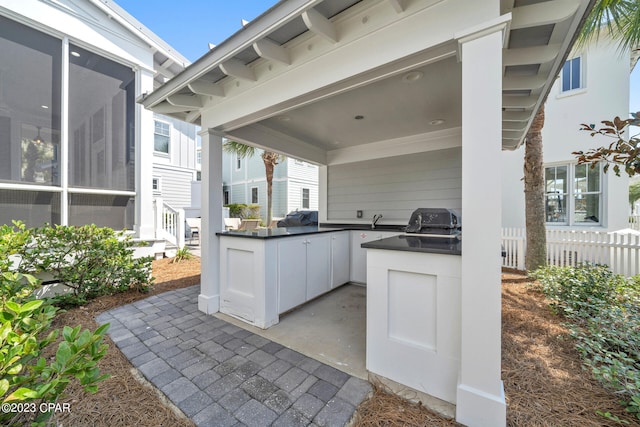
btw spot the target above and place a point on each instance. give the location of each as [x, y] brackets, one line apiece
[211, 212]
[480, 394]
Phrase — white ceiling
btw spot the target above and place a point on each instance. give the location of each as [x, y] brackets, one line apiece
[402, 105]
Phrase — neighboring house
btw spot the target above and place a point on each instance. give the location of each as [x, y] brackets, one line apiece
[174, 160]
[402, 104]
[592, 86]
[75, 148]
[295, 184]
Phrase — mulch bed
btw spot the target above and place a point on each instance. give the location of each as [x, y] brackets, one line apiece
[544, 381]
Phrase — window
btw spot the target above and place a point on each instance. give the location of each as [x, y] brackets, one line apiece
[572, 74]
[199, 156]
[305, 198]
[225, 196]
[99, 147]
[238, 162]
[254, 195]
[156, 185]
[161, 137]
[573, 194]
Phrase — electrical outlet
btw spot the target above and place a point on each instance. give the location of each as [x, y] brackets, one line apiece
[358, 214]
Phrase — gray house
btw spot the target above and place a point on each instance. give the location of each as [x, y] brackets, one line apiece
[295, 184]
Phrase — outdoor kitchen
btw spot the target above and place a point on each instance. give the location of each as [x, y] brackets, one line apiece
[388, 98]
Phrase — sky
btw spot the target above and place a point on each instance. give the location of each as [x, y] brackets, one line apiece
[190, 25]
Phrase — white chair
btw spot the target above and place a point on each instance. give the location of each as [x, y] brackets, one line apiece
[194, 225]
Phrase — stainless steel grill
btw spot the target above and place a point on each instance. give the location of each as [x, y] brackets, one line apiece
[435, 221]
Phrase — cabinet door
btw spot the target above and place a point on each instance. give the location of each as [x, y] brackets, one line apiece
[340, 255]
[292, 273]
[318, 265]
[359, 255]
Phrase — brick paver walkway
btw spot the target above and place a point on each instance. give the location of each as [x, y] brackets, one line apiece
[221, 375]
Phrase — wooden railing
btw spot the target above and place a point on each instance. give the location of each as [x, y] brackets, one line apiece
[169, 223]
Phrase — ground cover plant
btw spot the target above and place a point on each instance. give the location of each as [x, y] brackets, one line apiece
[602, 310]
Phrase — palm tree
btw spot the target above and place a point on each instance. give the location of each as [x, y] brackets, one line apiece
[270, 160]
[620, 19]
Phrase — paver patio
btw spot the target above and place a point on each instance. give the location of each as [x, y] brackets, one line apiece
[219, 374]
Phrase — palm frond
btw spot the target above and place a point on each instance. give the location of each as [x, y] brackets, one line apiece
[239, 149]
[620, 19]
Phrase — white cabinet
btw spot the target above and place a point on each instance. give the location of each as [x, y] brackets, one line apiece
[292, 272]
[303, 269]
[340, 255]
[359, 255]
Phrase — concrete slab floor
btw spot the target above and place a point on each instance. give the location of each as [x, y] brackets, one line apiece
[330, 329]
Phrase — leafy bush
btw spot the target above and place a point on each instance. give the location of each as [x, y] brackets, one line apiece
[91, 261]
[603, 310]
[29, 382]
[241, 210]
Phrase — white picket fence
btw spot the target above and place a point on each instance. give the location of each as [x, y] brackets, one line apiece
[621, 252]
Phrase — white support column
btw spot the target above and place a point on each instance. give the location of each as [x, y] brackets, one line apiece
[211, 212]
[480, 396]
[145, 221]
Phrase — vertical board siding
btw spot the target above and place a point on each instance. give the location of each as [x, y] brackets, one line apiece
[621, 252]
[395, 186]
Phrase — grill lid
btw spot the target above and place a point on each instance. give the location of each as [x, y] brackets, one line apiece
[434, 221]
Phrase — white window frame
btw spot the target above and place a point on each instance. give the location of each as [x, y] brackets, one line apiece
[572, 194]
[162, 153]
[257, 199]
[308, 198]
[238, 162]
[156, 180]
[582, 84]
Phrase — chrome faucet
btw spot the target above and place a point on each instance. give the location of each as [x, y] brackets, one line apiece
[375, 220]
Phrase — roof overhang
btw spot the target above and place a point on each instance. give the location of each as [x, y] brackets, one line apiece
[401, 98]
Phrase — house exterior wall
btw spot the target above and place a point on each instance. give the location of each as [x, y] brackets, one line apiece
[176, 169]
[289, 178]
[101, 141]
[394, 186]
[604, 96]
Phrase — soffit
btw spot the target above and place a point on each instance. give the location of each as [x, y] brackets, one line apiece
[539, 38]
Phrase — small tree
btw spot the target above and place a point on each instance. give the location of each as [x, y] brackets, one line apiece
[622, 153]
[270, 160]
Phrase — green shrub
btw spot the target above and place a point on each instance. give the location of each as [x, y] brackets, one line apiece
[89, 260]
[603, 312]
[29, 382]
[241, 210]
[182, 254]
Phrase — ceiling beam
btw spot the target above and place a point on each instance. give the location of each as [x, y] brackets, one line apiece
[516, 116]
[543, 13]
[526, 102]
[166, 108]
[192, 116]
[398, 5]
[270, 50]
[530, 55]
[318, 24]
[187, 101]
[522, 82]
[202, 87]
[236, 68]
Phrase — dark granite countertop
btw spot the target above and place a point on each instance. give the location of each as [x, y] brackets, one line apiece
[272, 233]
[417, 243]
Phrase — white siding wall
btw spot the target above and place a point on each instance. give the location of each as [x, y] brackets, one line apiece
[175, 185]
[605, 95]
[302, 175]
[394, 186]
